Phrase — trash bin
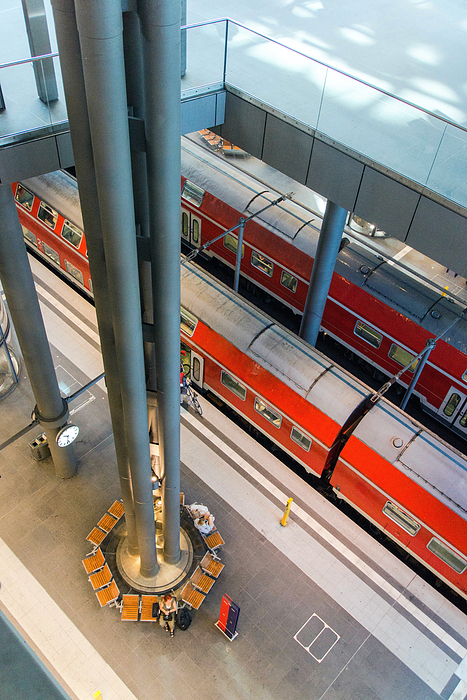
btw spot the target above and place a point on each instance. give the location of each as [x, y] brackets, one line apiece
[40, 447]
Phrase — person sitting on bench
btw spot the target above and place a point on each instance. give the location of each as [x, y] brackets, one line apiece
[168, 609]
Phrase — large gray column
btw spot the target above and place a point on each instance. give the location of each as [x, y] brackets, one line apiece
[39, 44]
[18, 284]
[100, 32]
[73, 81]
[160, 26]
[323, 268]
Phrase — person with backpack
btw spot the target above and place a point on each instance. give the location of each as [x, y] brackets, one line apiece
[168, 608]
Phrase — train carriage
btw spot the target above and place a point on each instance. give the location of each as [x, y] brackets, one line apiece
[402, 478]
[381, 313]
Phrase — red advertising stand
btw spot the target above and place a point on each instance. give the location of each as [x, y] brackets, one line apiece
[228, 618]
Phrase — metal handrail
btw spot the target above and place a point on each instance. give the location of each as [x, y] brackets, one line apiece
[31, 59]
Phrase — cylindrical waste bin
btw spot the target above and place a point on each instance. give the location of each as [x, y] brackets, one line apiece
[40, 447]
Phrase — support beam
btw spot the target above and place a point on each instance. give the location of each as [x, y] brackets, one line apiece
[100, 30]
[18, 284]
[430, 345]
[160, 27]
[323, 268]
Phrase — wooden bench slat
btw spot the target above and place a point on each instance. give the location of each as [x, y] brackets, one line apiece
[130, 607]
[146, 608]
[96, 536]
[117, 509]
[107, 522]
[101, 578]
[94, 563]
[108, 595]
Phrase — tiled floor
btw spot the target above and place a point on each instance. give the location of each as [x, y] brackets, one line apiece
[325, 613]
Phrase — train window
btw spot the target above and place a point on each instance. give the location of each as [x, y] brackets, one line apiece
[301, 439]
[188, 322]
[192, 193]
[185, 226]
[72, 234]
[451, 405]
[24, 197]
[47, 215]
[402, 357]
[447, 555]
[369, 334]
[196, 374]
[233, 385]
[288, 281]
[464, 376]
[262, 263]
[74, 272]
[90, 284]
[51, 253]
[195, 232]
[398, 516]
[268, 413]
[231, 243]
[29, 236]
[463, 420]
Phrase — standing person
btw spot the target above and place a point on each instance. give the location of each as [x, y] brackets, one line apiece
[168, 608]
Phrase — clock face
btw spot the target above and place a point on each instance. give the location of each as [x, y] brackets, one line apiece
[67, 435]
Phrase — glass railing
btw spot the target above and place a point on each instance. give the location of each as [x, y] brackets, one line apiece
[32, 99]
[408, 139]
[420, 145]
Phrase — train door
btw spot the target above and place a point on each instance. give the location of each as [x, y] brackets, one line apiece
[454, 409]
[192, 364]
[191, 228]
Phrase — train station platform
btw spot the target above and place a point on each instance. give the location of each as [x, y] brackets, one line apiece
[325, 611]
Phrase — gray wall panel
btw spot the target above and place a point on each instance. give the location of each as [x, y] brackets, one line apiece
[334, 174]
[441, 234]
[199, 113]
[286, 148]
[244, 124]
[386, 203]
[28, 159]
[65, 150]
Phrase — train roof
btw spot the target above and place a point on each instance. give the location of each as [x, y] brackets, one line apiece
[433, 464]
[60, 191]
[397, 288]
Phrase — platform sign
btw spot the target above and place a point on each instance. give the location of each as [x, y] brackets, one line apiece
[228, 617]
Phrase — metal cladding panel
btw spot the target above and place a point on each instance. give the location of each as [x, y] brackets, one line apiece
[231, 318]
[244, 124]
[381, 426]
[65, 150]
[286, 148]
[28, 159]
[337, 394]
[60, 190]
[334, 174]
[289, 359]
[441, 234]
[198, 113]
[438, 468]
[386, 203]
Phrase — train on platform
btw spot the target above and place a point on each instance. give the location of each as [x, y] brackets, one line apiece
[404, 480]
[378, 311]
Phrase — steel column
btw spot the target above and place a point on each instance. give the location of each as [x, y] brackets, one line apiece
[18, 284]
[323, 268]
[100, 30]
[160, 27]
[238, 257]
[39, 44]
[73, 82]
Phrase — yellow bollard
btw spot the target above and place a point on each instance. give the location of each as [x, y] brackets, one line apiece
[286, 512]
[97, 695]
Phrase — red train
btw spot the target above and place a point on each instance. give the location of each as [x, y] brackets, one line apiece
[381, 313]
[401, 477]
